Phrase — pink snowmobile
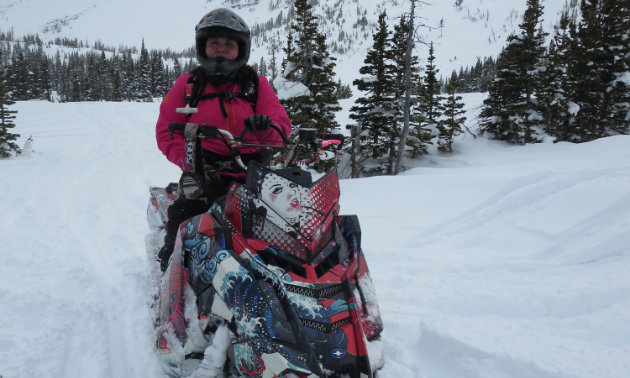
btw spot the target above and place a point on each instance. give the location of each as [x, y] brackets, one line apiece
[271, 281]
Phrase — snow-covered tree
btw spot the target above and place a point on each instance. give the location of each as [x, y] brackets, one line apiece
[616, 45]
[556, 89]
[128, 78]
[117, 94]
[374, 110]
[272, 67]
[452, 123]
[419, 136]
[511, 111]
[143, 73]
[262, 67]
[159, 85]
[591, 121]
[7, 116]
[430, 99]
[309, 64]
[19, 77]
[175, 72]
[103, 82]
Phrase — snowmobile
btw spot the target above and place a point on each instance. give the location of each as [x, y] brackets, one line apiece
[271, 281]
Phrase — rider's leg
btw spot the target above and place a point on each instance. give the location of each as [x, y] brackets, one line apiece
[178, 212]
[191, 200]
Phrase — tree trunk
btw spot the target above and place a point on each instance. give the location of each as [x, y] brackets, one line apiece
[356, 151]
[405, 131]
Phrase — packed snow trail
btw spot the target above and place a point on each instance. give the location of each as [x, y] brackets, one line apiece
[73, 279]
[494, 261]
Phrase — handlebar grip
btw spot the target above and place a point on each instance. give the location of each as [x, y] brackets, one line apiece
[173, 126]
[338, 137]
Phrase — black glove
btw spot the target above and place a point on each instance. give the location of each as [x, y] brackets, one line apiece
[258, 122]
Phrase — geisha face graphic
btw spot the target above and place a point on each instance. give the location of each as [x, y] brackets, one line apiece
[282, 195]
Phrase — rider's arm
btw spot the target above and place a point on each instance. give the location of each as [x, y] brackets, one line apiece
[269, 104]
[175, 98]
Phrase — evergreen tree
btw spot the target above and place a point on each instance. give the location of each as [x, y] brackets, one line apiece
[36, 83]
[104, 83]
[373, 110]
[159, 85]
[556, 90]
[262, 67]
[488, 73]
[91, 91]
[312, 66]
[176, 72]
[431, 101]
[57, 73]
[343, 90]
[452, 124]
[46, 79]
[7, 116]
[419, 137]
[288, 51]
[116, 88]
[273, 66]
[511, 111]
[128, 78]
[587, 74]
[19, 76]
[76, 76]
[143, 73]
[616, 49]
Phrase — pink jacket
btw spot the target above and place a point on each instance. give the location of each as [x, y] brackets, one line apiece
[210, 114]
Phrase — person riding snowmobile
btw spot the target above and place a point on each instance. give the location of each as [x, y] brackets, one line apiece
[228, 94]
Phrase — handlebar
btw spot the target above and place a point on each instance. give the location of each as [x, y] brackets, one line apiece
[213, 132]
[275, 127]
[204, 131]
[338, 137]
[306, 137]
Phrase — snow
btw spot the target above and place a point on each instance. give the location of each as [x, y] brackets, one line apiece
[287, 89]
[214, 357]
[624, 78]
[492, 261]
[573, 108]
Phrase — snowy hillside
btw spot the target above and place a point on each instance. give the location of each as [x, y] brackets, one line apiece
[493, 261]
[478, 29]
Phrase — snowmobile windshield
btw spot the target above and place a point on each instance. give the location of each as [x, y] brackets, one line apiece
[285, 209]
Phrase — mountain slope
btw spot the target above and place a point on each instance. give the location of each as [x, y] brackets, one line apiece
[479, 29]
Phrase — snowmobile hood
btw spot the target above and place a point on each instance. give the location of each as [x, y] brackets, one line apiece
[285, 208]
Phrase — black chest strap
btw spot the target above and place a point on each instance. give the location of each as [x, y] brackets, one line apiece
[247, 83]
